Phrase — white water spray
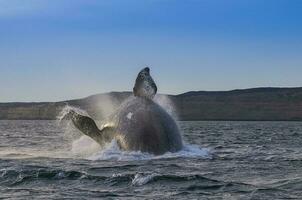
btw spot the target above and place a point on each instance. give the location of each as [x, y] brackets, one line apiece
[87, 148]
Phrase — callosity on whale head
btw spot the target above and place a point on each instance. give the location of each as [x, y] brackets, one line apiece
[144, 84]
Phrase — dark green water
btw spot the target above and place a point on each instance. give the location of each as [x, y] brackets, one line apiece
[222, 160]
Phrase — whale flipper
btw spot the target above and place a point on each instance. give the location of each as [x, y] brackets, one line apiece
[88, 126]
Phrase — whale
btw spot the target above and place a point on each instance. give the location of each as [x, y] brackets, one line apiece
[139, 124]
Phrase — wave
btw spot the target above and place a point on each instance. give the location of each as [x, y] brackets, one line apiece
[14, 177]
[32, 174]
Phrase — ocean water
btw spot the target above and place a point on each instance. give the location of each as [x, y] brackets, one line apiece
[221, 160]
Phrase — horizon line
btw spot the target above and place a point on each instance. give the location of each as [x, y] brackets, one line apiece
[191, 91]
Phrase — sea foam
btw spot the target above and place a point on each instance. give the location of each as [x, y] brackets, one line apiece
[89, 149]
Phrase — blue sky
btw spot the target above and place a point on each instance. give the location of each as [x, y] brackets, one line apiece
[62, 49]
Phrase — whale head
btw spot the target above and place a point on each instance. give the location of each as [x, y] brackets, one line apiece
[144, 84]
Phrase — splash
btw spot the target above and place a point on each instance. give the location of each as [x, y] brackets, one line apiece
[112, 152]
[69, 131]
[85, 147]
[165, 102]
[106, 106]
[67, 109]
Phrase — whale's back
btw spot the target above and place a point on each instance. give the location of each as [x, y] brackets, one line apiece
[143, 125]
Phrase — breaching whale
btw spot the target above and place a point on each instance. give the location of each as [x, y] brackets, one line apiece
[140, 124]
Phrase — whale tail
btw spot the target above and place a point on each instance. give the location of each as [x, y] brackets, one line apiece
[144, 84]
[88, 127]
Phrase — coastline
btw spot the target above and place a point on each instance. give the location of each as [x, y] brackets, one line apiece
[255, 104]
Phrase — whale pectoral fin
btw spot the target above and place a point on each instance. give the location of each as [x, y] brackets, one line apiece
[88, 127]
[107, 134]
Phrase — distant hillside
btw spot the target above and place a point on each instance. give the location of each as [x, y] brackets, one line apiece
[249, 104]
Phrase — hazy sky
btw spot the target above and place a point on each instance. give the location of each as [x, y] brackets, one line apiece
[62, 49]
